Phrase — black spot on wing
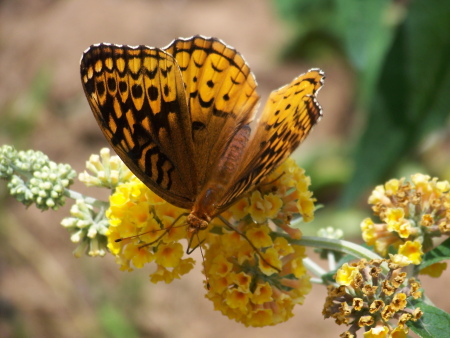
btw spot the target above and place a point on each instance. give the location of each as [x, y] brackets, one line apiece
[137, 91]
[205, 104]
[123, 86]
[197, 125]
[112, 84]
[153, 93]
[100, 88]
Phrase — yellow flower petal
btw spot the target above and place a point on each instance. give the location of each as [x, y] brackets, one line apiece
[412, 250]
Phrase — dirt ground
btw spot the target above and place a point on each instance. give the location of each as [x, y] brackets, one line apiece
[44, 290]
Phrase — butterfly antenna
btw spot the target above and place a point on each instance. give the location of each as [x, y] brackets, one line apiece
[166, 231]
[249, 242]
[130, 237]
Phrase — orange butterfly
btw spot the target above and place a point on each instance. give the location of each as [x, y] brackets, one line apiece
[180, 116]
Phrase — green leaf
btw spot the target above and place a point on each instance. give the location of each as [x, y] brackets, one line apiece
[367, 36]
[19, 116]
[434, 322]
[301, 11]
[411, 97]
[313, 27]
[438, 254]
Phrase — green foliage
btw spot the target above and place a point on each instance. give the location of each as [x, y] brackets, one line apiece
[19, 116]
[432, 324]
[399, 53]
[438, 254]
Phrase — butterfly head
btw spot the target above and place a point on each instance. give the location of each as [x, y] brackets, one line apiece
[196, 223]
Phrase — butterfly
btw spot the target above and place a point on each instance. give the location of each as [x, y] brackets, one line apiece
[183, 119]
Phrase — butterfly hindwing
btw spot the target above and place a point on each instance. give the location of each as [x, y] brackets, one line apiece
[138, 97]
[290, 113]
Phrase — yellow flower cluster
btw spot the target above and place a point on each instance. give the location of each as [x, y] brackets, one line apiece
[143, 222]
[247, 289]
[255, 276]
[411, 213]
[279, 198]
[366, 298]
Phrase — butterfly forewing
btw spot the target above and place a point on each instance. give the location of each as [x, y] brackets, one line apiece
[221, 95]
[139, 100]
[289, 114]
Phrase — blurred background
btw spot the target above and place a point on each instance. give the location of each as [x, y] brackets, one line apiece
[386, 114]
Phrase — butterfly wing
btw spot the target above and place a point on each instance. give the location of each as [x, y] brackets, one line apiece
[290, 113]
[221, 96]
[138, 98]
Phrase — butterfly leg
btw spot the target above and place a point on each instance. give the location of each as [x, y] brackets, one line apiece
[190, 249]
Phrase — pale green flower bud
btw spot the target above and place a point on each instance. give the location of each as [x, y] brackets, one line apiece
[33, 178]
[87, 228]
[105, 171]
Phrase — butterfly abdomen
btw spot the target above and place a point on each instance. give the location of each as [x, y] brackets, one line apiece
[219, 180]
